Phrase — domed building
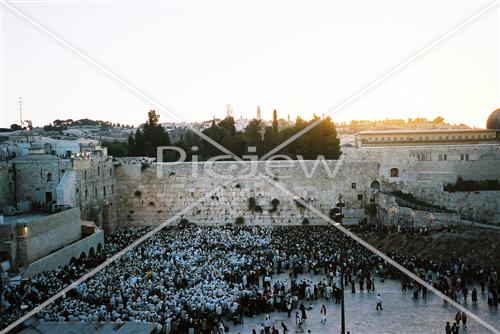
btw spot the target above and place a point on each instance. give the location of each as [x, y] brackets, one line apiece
[493, 122]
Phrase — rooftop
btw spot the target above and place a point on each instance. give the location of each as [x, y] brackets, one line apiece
[421, 131]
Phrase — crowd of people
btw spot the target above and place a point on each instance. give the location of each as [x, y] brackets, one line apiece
[201, 279]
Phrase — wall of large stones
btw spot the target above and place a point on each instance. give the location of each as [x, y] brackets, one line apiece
[95, 188]
[51, 232]
[423, 171]
[32, 179]
[483, 206]
[6, 185]
[390, 213]
[424, 166]
[150, 193]
[63, 256]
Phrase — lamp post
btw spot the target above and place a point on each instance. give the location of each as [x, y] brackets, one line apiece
[342, 308]
[340, 204]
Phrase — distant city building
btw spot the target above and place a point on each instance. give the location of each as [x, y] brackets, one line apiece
[424, 137]
[493, 121]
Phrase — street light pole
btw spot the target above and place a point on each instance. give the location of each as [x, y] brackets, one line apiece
[340, 204]
[342, 309]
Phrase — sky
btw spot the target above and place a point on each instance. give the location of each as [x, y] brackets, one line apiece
[189, 59]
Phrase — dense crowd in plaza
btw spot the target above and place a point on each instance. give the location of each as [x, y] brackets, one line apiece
[200, 279]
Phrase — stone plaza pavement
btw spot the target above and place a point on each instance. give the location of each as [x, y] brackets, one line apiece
[401, 314]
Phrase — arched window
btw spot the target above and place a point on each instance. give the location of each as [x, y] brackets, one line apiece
[394, 172]
[49, 177]
[375, 185]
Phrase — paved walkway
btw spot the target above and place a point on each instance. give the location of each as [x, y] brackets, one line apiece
[401, 314]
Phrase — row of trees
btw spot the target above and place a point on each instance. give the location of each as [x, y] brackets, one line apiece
[320, 140]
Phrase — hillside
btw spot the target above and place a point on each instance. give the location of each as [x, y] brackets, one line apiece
[471, 244]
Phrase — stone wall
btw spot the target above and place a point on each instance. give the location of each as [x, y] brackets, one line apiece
[143, 198]
[146, 198]
[420, 166]
[95, 189]
[423, 171]
[477, 206]
[63, 256]
[6, 185]
[48, 234]
[38, 175]
[390, 213]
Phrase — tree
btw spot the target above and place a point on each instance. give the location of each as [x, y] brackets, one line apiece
[117, 148]
[268, 142]
[253, 133]
[275, 122]
[148, 137]
[15, 127]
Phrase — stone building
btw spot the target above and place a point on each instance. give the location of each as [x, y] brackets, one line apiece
[36, 242]
[425, 137]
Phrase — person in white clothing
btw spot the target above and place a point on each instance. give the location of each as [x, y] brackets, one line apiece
[322, 311]
[379, 303]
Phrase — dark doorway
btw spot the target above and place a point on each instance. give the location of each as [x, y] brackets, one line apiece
[375, 185]
[48, 197]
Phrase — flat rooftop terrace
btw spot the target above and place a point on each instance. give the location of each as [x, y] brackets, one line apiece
[24, 218]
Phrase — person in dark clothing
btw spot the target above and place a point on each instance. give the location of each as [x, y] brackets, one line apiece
[447, 328]
[303, 310]
[474, 296]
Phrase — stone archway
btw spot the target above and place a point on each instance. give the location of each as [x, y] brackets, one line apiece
[375, 185]
[91, 252]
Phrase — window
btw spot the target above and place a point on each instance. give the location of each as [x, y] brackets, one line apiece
[467, 157]
[86, 193]
[49, 177]
[98, 170]
[360, 197]
[85, 175]
[440, 157]
[353, 185]
[461, 157]
[104, 191]
[445, 157]
[111, 172]
[394, 172]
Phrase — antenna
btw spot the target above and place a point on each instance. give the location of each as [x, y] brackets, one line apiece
[21, 111]
[229, 111]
